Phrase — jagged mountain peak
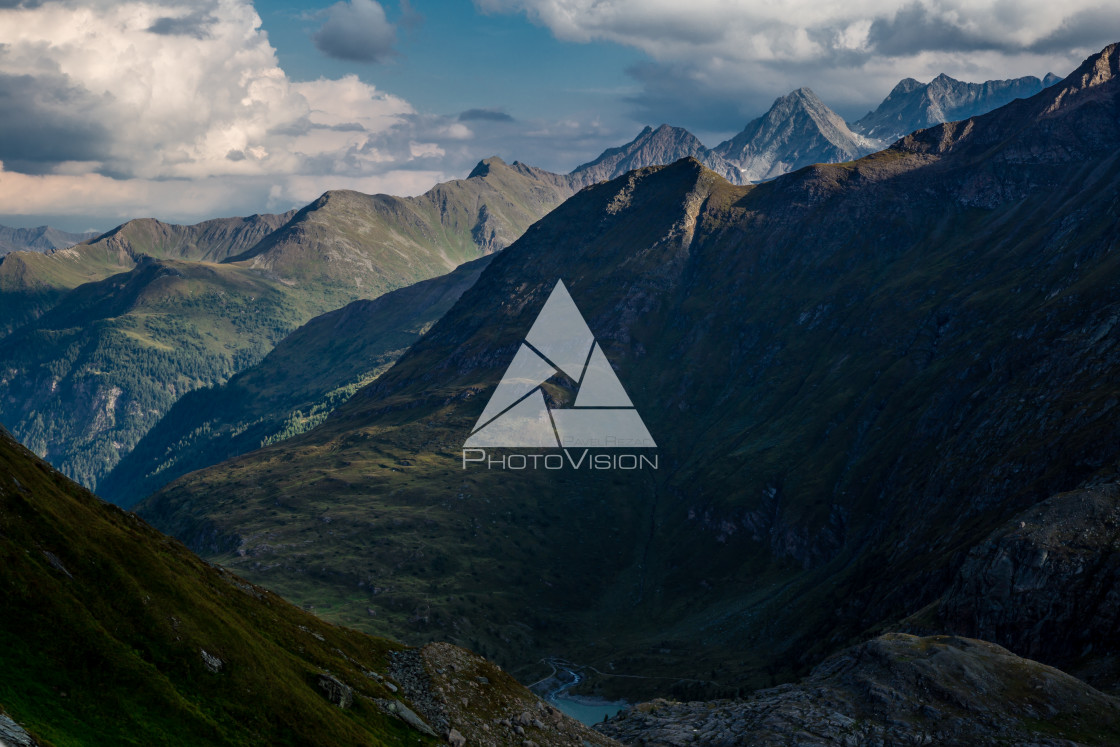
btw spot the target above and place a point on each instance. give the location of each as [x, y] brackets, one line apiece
[485, 165]
[912, 105]
[1090, 131]
[652, 147]
[799, 129]
[1096, 70]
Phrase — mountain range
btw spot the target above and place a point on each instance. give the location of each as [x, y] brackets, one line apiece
[74, 393]
[910, 350]
[912, 106]
[294, 388]
[882, 393]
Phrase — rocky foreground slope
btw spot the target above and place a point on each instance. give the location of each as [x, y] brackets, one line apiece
[893, 691]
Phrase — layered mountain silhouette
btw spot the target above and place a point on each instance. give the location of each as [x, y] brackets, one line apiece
[341, 247]
[907, 351]
[102, 338]
[41, 239]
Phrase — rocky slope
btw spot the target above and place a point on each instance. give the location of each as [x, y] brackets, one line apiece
[41, 239]
[893, 690]
[798, 130]
[914, 106]
[652, 147]
[308, 374]
[906, 351]
[114, 634]
[1045, 584]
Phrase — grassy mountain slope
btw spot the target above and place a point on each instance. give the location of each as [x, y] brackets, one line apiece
[212, 240]
[347, 245]
[906, 350]
[114, 634]
[82, 383]
[83, 394]
[304, 378]
[33, 282]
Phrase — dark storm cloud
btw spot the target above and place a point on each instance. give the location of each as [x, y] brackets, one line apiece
[356, 31]
[196, 24]
[1094, 28]
[46, 120]
[914, 29]
[488, 115]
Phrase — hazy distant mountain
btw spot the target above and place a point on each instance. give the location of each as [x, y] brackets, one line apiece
[854, 374]
[652, 147]
[914, 106]
[33, 282]
[83, 382]
[798, 130]
[41, 239]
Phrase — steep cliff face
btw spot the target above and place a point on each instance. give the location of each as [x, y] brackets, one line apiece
[1047, 584]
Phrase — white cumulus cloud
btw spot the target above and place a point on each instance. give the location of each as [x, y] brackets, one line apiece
[717, 59]
[170, 107]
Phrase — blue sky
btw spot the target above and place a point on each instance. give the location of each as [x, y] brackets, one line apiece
[188, 109]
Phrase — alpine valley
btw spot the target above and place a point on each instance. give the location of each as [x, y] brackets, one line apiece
[879, 361]
[909, 366]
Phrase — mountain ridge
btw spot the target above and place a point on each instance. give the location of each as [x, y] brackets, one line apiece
[912, 105]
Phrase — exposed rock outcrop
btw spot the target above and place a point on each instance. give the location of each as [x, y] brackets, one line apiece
[1047, 583]
[894, 690]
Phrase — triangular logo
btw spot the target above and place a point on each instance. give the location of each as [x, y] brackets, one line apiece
[517, 416]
